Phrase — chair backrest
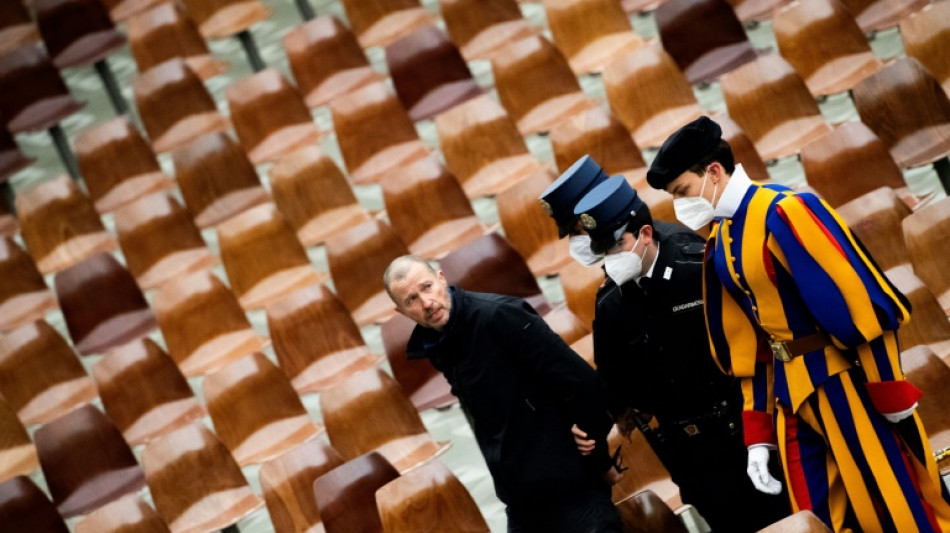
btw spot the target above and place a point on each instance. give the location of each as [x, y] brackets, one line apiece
[195, 482]
[599, 134]
[875, 218]
[429, 498]
[12, 159]
[16, 26]
[481, 27]
[85, 461]
[76, 32]
[24, 296]
[40, 376]
[756, 10]
[35, 97]
[645, 470]
[928, 324]
[380, 22]
[218, 19]
[743, 149]
[368, 411]
[645, 512]
[143, 392]
[59, 225]
[346, 495]
[262, 256]
[316, 341]
[24, 507]
[590, 32]
[800, 522]
[580, 285]
[875, 15]
[425, 386]
[166, 32]
[704, 37]
[287, 484]
[203, 324]
[216, 179]
[922, 229]
[926, 37]
[128, 513]
[931, 375]
[17, 453]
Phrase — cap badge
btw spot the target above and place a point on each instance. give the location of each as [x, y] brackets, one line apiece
[546, 206]
[588, 222]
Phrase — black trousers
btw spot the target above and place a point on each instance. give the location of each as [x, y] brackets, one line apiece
[584, 511]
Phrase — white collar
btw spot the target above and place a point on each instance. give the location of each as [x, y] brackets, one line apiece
[649, 273]
[732, 195]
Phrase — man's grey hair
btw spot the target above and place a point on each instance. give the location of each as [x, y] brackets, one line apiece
[399, 268]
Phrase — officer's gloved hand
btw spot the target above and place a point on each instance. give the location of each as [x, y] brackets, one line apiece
[758, 470]
[894, 418]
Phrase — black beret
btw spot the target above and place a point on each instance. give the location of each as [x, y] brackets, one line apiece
[683, 149]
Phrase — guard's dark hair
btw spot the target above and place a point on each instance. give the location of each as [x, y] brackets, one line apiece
[721, 153]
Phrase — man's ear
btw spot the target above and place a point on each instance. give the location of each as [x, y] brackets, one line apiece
[716, 172]
[442, 278]
[646, 234]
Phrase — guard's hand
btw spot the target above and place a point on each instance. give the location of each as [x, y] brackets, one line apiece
[758, 470]
[584, 445]
[894, 418]
[612, 476]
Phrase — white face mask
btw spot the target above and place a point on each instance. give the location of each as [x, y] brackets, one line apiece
[624, 266]
[695, 212]
[581, 252]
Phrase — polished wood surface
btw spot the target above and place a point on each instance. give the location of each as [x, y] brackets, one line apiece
[17, 453]
[425, 386]
[24, 296]
[646, 472]
[346, 495]
[922, 229]
[928, 325]
[743, 149]
[24, 507]
[591, 33]
[926, 37]
[580, 285]
[16, 26]
[800, 522]
[12, 160]
[645, 512]
[287, 483]
[932, 376]
[380, 22]
[218, 19]
[126, 515]
[875, 218]
[482, 27]
[756, 10]
[428, 499]
[35, 97]
[875, 15]
[166, 32]
[599, 134]
[76, 32]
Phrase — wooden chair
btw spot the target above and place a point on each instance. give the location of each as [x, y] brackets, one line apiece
[76, 32]
[12, 159]
[646, 472]
[906, 107]
[17, 453]
[536, 85]
[166, 32]
[425, 386]
[24, 296]
[875, 218]
[922, 229]
[848, 162]
[16, 26]
[429, 498]
[428, 209]
[932, 376]
[374, 132]
[645, 512]
[743, 149]
[928, 325]
[102, 305]
[174, 106]
[481, 27]
[24, 507]
[287, 483]
[756, 10]
[9, 225]
[123, 10]
[705, 38]
[800, 522]
[60, 226]
[875, 15]
[926, 38]
[313, 194]
[203, 324]
[118, 166]
[369, 412]
[599, 134]
[591, 33]
[40, 376]
[256, 412]
[269, 116]
[346, 495]
[771, 103]
[35, 97]
[825, 45]
[380, 22]
[160, 241]
[263, 258]
[219, 19]
[649, 95]
[143, 392]
[357, 258]
[502, 157]
[216, 179]
[316, 341]
[85, 462]
[194, 481]
[580, 285]
[528, 228]
[428, 73]
[128, 513]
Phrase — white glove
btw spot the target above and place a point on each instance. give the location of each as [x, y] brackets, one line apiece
[894, 418]
[758, 470]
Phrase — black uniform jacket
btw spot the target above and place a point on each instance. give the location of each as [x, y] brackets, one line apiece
[522, 388]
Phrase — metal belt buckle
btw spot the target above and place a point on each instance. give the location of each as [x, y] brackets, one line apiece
[780, 351]
[691, 430]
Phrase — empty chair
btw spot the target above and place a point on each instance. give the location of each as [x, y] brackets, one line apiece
[143, 392]
[16, 26]
[160, 241]
[874, 15]
[60, 226]
[580, 284]
[800, 522]
[166, 32]
[380, 22]
[24, 507]
[12, 159]
[906, 107]
[599, 134]
[481, 27]
[218, 19]
[17, 453]
[216, 179]
[316, 341]
[40, 376]
[117, 164]
[429, 498]
[928, 325]
[591, 33]
[357, 258]
[76, 32]
[425, 386]
[203, 324]
[771, 103]
[174, 105]
[287, 484]
[123, 10]
[502, 157]
[825, 45]
[194, 481]
[875, 218]
[645, 512]
[926, 37]
[24, 296]
[85, 462]
[9, 225]
[313, 194]
[536, 85]
[743, 149]
[528, 227]
[256, 412]
[369, 412]
[756, 10]
[704, 37]
[102, 305]
[922, 229]
[269, 116]
[646, 472]
[932, 376]
[346, 495]
[649, 95]
[128, 513]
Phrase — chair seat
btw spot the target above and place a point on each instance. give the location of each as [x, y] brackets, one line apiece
[13, 161]
[284, 141]
[491, 39]
[89, 49]
[501, 174]
[13, 37]
[277, 285]
[117, 330]
[206, 65]
[408, 452]
[102, 489]
[635, 6]
[74, 250]
[18, 461]
[163, 419]
[654, 131]
[127, 8]
[189, 129]
[394, 26]
[842, 73]
[377, 308]
[923, 147]
[341, 83]
[788, 138]
[44, 114]
[217, 511]
[234, 19]
[374, 168]
[58, 400]
[446, 237]
[274, 439]
[133, 188]
[443, 98]
[220, 351]
[334, 367]
[544, 116]
[229, 205]
[177, 264]
[25, 308]
[321, 227]
[719, 61]
[887, 14]
[749, 10]
[550, 258]
[598, 54]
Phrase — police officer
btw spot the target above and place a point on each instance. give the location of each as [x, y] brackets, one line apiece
[651, 347]
[558, 201]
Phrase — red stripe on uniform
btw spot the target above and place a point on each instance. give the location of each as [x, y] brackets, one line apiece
[796, 473]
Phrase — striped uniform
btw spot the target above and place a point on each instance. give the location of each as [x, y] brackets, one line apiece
[785, 267]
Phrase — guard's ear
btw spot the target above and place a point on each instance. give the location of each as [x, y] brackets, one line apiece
[646, 234]
[716, 172]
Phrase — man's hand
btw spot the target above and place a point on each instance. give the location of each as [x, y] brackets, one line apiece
[758, 470]
[584, 445]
